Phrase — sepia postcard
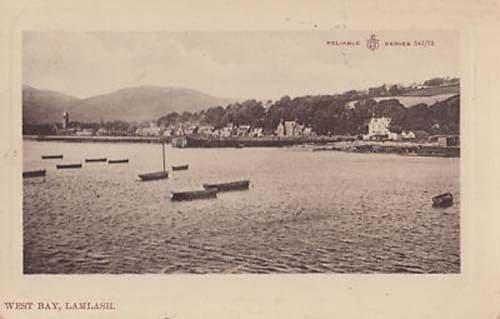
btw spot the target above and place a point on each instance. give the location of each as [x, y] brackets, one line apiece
[302, 167]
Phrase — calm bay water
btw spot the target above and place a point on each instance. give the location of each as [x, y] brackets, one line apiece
[304, 212]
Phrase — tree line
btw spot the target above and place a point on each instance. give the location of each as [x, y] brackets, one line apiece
[329, 114]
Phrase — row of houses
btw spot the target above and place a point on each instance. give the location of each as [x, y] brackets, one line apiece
[293, 128]
[77, 131]
[378, 129]
[231, 130]
[284, 128]
[206, 130]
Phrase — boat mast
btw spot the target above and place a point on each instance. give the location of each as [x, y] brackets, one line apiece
[163, 152]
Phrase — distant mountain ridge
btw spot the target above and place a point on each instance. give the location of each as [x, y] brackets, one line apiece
[44, 106]
[129, 104]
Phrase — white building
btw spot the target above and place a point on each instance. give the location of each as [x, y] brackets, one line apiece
[152, 130]
[225, 131]
[406, 135]
[257, 132]
[85, 132]
[299, 130]
[167, 133]
[243, 130]
[308, 131]
[290, 128]
[148, 131]
[102, 132]
[393, 136]
[379, 127]
[205, 130]
[280, 129]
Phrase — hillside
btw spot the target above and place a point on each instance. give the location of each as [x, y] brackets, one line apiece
[44, 106]
[410, 100]
[332, 114]
[438, 90]
[129, 104]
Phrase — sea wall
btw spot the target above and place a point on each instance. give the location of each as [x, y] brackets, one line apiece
[96, 139]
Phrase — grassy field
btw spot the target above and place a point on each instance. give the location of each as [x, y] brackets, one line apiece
[408, 101]
[452, 89]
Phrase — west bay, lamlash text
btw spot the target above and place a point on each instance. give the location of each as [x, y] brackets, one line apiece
[89, 306]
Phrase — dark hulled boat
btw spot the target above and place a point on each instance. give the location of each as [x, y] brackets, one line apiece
[153, 176]
[52, 156]
[443, 200]
[190, 195]
[118, 161]
[36, 173]
[180, 167]
[61, 166]
[156, 175]
[92, 160]
[222, 187]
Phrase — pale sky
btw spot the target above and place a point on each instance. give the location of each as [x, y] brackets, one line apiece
[239, 65]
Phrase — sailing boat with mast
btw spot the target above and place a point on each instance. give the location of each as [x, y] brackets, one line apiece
[156, 175]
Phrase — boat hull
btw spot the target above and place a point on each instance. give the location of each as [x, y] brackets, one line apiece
[117, 161]
[153, 176]
[64, 166]
[192, 195]
[52, 156]
[443, 200]
[180, 167]
[223, 187]
[36, 173]
[92, 160]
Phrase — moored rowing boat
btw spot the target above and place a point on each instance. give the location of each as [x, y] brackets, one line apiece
[52, 156]
[157, 175]
[238, 185]
[36, 173]
[59, 166]
[118, 161]
[153, 176]
[190, 195]
[180, 167]
[443, 200]
[91, 160]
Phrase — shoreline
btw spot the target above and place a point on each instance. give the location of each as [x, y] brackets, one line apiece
[323, 143]
[92, 139]
[423, 150]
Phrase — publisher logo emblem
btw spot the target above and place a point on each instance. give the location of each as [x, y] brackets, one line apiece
[372, 43]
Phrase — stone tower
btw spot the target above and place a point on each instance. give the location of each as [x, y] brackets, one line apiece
[65, 120]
